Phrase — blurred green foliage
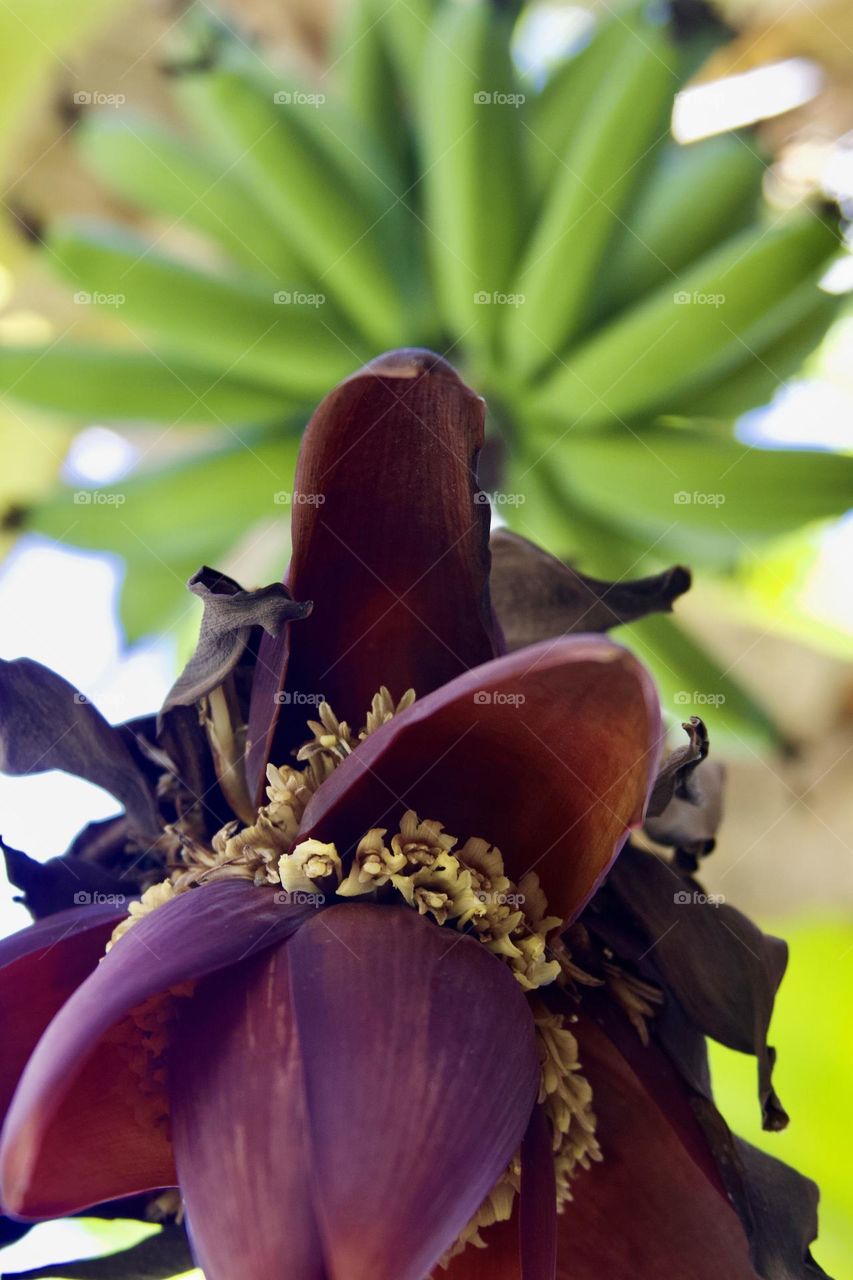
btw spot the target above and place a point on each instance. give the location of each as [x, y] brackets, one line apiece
[813, 1035]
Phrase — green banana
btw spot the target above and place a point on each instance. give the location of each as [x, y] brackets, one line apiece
[756, 380]
[362, 66]
[408, 24]
[473, 168]
[627, 116]
[125, 386]
[560, 109]
[290, 340]
[164, 174]
[674, 221]
[293, 151]
[736, 298]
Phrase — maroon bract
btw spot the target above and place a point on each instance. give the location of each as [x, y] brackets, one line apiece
[361, 1045]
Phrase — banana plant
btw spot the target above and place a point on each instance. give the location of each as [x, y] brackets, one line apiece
[619, 297]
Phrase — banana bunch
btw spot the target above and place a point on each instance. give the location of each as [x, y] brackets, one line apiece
[619, 299]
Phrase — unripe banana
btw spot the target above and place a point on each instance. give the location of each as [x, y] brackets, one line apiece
[164, 174]
[472, 162]
[363, 66]
[562, 106]
[762, 374]
[694, 330]
[290, 340]
[325, 194]
[695, 196]
[121, 386]
[626, 116]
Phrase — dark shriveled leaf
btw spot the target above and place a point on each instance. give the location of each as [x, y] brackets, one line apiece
[229, 615]
[686, 806]
[158, 1257]
[784, 1208]
[45, 723]
[536, 596]
[777, 1206]
[721, 968]
[678, 768]
[63, 882]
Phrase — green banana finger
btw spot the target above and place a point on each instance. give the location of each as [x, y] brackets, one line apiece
[336, 212]
[160, 172]
[755, 381]
[557, 517]
[733, 300]
[363, 67]
[561, 107]
[472, 162]
[286, 339]
[125, 386]
[695, 196]
[408, 24]
[626, 117]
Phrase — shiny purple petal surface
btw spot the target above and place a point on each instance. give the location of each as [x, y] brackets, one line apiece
[80, 1128]
[420, 1076]
[239, 1127]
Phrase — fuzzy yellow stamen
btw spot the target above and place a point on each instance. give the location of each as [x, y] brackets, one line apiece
[464, 887]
